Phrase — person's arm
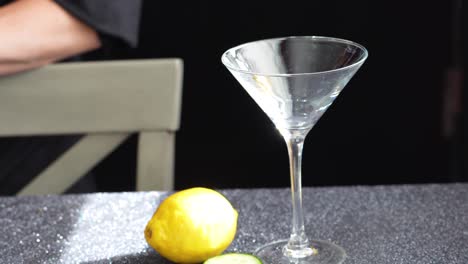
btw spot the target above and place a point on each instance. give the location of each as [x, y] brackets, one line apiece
[34, 33]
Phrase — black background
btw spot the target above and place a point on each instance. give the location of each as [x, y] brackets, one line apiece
[384, 128]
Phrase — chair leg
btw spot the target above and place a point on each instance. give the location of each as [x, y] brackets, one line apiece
[155, 169]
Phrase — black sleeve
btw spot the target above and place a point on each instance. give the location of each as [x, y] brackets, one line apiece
[113, 19]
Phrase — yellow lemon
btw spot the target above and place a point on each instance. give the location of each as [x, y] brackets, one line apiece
[192, 225]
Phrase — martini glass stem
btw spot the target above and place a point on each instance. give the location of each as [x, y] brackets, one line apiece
[298, 244]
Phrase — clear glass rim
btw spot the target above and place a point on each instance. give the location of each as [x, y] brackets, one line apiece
[321, 38]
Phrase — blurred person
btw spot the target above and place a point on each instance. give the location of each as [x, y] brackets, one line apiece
[35, 33]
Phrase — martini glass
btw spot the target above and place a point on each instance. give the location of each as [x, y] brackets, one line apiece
[294, 80]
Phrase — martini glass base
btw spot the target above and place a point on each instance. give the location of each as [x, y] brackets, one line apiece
[323, 252]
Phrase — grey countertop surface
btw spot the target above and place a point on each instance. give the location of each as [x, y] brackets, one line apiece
[381, 224]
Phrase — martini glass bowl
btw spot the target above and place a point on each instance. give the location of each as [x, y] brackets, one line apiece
[294, 80]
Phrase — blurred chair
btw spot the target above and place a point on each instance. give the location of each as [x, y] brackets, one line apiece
[106, 101]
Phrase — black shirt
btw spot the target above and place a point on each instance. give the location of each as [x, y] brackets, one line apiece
[114, 20]
[117, 24]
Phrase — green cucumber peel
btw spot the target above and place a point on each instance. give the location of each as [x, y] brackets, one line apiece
[234, 258]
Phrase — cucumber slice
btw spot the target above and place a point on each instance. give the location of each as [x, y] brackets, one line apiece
[234, 258]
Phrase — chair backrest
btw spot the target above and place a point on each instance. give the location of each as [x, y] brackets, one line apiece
[107, 101]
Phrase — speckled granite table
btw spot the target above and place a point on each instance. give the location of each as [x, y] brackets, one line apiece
[393, 224]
